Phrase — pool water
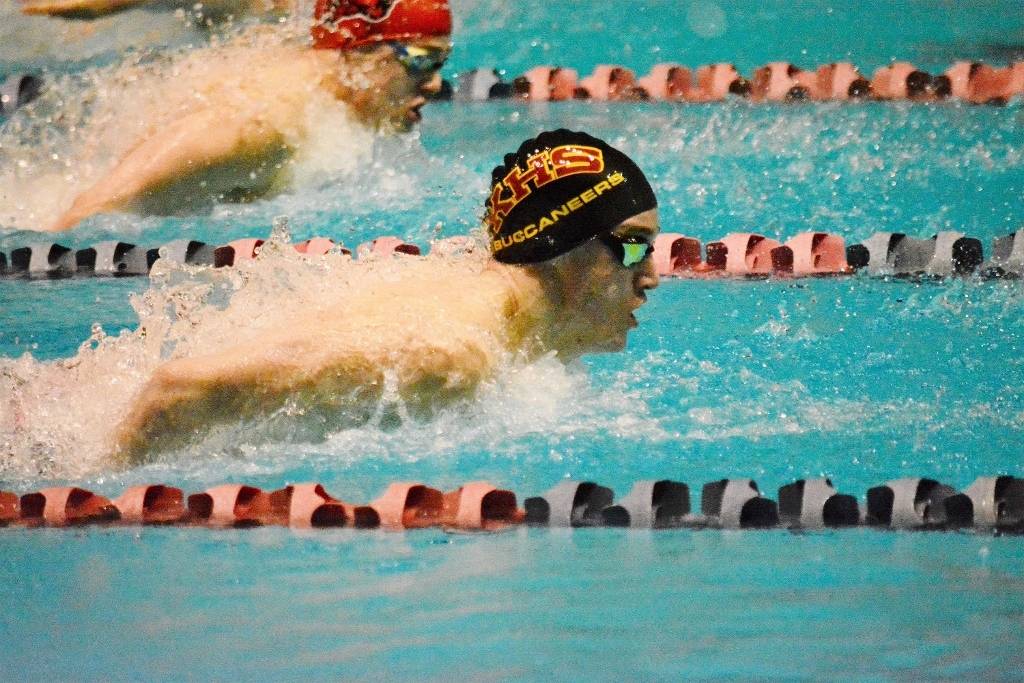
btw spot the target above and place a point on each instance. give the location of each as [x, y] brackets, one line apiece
[858, 379]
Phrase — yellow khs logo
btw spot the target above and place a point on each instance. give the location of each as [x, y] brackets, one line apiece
[541, 169]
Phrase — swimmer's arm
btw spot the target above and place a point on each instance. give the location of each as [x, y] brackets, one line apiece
[185, 397]
[78, 9]
[92, 9]
[188, 146]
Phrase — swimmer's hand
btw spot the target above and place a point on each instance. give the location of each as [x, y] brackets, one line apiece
[77, 9]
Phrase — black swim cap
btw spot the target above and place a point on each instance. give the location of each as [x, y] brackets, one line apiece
[559, 190]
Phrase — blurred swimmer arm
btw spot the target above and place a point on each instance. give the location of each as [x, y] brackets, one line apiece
[92, 9]
[78, 9]
[200, 143]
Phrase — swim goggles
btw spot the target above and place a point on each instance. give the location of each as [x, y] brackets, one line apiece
[628, 250]
[419, 61]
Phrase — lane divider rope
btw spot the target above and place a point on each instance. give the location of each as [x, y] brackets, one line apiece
[991, 504]
[945, 254]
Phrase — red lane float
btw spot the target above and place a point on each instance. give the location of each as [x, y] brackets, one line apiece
[611, 83]
[228, 505]
[386, 246]
[318, 246]
[151, 504]
[10, 508]
[234, 252]
[480, 506]
[675, 253]
[748, 253]
[310, 506]
[667, 83]
[818, 253]
[66, 506]
[409, 505]
[551, 84]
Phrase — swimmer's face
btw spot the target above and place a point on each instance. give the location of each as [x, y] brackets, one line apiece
[398, 79]
[600, 293]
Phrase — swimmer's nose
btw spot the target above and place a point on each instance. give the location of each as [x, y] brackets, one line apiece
[647, 276]
[432, 85]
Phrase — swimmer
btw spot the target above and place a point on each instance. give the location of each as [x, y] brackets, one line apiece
[246, 115]
[571, 223]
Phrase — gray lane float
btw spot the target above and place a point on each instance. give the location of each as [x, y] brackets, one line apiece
[658, 504]
[913, 503]
[191, 252]
[1007, 256]
[569, 504]
[945, 254]
[737, 504]
[910, 255]
[113, 258]
[42, 260]
[997, 503]
[815, 504]
[876, 254]
[480, 85]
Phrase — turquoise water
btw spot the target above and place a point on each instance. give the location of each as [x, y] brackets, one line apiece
[861, 380]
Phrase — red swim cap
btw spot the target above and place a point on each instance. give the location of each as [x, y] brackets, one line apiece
[346, 24]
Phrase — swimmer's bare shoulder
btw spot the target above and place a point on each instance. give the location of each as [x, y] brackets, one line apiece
[430, 355]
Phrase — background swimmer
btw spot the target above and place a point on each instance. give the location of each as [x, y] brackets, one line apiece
[429, 334]
[244, 115]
